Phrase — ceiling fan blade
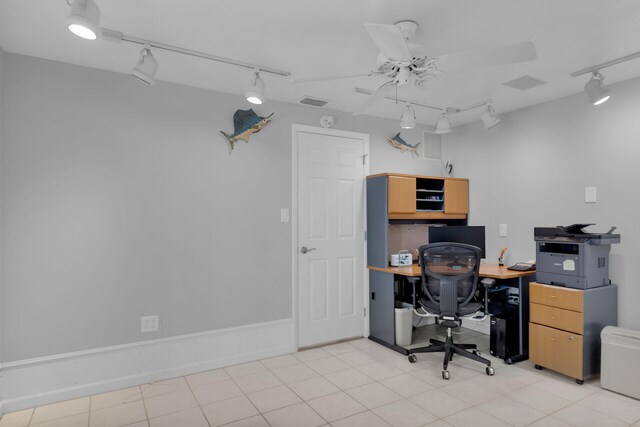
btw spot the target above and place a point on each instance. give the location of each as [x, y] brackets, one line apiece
[509, 54]
[375, 97]
[390, 41]
[335, 77]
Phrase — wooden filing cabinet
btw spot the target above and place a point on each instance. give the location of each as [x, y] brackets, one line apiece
[565, 326]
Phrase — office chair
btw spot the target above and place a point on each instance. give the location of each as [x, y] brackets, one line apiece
[449, 281]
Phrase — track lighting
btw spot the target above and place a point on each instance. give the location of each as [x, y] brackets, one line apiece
[488, 117]
[147, 67]
[444, 124]
[84, 19]
[255, 92]
[597, 92]
[408, 118]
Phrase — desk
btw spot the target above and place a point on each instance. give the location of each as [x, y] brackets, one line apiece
[382, 302]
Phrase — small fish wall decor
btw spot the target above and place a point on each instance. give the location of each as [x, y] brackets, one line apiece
[245, 123]
[402, 145]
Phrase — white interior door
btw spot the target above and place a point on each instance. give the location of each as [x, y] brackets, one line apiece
[331, 227]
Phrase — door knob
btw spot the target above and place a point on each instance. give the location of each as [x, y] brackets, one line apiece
[304, 250]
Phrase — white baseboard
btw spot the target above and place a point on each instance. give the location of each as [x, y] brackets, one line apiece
[34, 382]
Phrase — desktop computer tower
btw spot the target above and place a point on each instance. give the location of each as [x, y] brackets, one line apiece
[504, 336]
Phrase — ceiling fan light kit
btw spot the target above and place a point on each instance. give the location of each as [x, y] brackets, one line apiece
[147, 67]
[84, 19]
[255, 93]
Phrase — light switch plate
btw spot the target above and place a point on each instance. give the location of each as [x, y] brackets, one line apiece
[503, 230]
[589, 194]
[284, 215]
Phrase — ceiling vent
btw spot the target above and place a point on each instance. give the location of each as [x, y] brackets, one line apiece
[315, 102]
[525, 83]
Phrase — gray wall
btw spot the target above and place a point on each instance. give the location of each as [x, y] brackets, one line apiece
[121, 200]
[532, 168]
[1, 145]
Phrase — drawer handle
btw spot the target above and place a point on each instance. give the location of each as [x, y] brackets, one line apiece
[552, 338]
[552, 316]
[552, 296]
[571, 338]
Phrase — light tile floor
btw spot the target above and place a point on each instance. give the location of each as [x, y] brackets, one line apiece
[357, 383]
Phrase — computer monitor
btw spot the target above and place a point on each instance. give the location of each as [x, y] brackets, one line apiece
[468, 234]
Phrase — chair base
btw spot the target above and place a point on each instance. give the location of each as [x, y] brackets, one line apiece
[450, 348]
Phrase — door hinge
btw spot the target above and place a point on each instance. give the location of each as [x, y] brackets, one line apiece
[365, 235]
[364, 159]
[364, 311]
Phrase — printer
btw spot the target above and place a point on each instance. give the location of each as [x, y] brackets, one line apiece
[572, 257]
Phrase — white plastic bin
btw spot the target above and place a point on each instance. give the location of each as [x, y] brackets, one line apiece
[620, 370]
[404, 323]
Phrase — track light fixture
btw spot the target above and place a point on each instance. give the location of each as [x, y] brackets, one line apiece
[488, 117]
[255, 92]
[84, 19]
[408, 117]
[147, 67]
[597, 92]
[444, 124]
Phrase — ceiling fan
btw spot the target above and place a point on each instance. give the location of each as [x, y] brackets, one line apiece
[406, 63]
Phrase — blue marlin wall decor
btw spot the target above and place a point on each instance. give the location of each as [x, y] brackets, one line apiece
[245, 123]
[402, 145]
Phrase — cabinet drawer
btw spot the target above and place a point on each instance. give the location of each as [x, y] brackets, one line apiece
[555, 296]
[557, 350]
[558, 318]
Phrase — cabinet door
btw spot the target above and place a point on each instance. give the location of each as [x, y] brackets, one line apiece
[402, 194]
[381, 307]
[456, 196]
[557, 350]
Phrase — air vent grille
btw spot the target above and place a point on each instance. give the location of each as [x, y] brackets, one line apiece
[525, 83]
[315, 102]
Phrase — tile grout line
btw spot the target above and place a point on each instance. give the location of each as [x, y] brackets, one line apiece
[197, 401]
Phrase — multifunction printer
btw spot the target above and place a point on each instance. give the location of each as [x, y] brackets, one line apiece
[569, 256]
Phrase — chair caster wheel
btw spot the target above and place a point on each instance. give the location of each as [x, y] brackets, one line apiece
[490, 371]
[445, 375]
[579, 382]
[476, 352]
[538, 367]
[413, 358]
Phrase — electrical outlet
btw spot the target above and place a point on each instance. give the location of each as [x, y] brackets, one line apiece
[149, 323]
[284, 215]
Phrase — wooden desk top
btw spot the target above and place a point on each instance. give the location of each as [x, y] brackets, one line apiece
[493, 271]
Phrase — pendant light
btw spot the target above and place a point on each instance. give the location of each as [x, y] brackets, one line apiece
[597, 92]
[408, 117]
[255, 92]
[84, 19]
[147, 67]
[444, 124]
[489, 119]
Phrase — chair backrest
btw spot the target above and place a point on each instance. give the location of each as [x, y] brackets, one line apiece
[449, 274]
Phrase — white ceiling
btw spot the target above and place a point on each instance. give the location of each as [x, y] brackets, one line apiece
[314, 38]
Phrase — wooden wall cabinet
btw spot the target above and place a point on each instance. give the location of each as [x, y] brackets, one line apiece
[565, 326]
[426, 197]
